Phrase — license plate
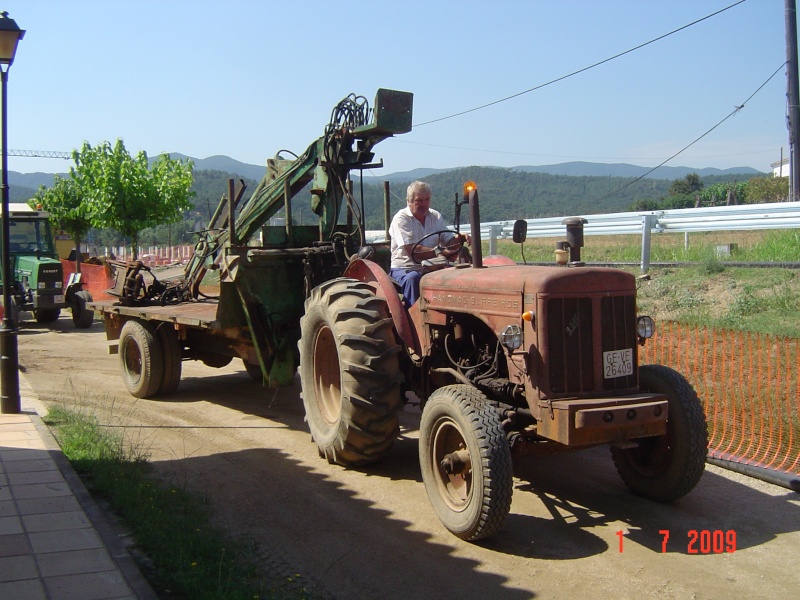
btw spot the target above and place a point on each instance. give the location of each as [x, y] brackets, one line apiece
[617, 363]
[58, 299]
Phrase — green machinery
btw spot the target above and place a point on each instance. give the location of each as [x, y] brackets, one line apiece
[266, 271]
[38, 280]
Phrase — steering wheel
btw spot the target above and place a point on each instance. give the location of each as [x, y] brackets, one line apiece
[456, 243]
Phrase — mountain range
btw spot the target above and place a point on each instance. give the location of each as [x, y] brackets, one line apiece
[226, 164]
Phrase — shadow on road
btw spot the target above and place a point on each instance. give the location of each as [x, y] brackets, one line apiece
[583, 490]
[345, 545]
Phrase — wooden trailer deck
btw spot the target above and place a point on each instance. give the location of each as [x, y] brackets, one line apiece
[202, 313]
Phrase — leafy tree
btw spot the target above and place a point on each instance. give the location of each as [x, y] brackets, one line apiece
[67, 211]
[767, 189]
[645, 205]
[127, 194]
[686, 186]
[717, 194]
[678, 201]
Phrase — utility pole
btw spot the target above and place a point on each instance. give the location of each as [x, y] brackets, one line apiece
[793, 100]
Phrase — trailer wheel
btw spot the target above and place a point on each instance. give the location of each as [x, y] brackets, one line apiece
[666, 467]
[173, 359]
[465, 461]
[82, 317]
[254, 371]
[141, 359]
[46, 315]
[213, 360]
[349, 372]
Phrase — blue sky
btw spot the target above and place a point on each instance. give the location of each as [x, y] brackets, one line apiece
[246, 78]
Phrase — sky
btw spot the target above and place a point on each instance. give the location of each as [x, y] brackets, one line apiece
[247, 78]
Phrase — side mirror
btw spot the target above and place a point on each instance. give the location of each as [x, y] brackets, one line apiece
[520, 232]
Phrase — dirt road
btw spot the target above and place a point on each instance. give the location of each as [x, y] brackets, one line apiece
[573, 532]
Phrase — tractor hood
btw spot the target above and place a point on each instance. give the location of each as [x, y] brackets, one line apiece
[507, 289]
[47, 266]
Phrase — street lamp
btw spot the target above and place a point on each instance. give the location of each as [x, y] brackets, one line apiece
[10, 35]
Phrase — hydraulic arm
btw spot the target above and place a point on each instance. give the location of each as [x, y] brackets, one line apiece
[354, 129]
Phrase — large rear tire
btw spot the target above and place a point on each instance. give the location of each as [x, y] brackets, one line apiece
[465, 461]
[349, 372]
[82, 317]
[141, 359]
[666, 467]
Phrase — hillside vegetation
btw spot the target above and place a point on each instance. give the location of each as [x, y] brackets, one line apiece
[505, 194]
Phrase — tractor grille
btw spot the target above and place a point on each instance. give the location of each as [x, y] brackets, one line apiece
[573, 357]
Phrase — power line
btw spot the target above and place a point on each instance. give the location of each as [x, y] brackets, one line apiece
[40, 153]
[735, 110]
[597, 64]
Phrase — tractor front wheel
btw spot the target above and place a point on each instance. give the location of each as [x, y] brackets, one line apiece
[349, 372]
[666, 467]
[465, 461]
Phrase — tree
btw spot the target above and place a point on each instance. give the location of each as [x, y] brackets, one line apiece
[127, 194]
[644, 205]
[717, 194]
[767, 189]
[686, 186]
[67, 211]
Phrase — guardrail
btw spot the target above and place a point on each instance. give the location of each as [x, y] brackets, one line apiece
[778, 215]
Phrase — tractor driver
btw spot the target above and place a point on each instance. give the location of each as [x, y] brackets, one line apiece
[408, 227]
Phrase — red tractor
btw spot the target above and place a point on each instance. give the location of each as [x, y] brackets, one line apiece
[505, 359]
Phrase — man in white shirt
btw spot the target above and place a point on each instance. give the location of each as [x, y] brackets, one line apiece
[410, 225]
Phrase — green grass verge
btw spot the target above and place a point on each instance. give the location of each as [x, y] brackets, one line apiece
[187, 557]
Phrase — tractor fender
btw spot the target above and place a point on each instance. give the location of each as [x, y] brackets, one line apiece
[497, 260]
[370, 272]
[74, 285]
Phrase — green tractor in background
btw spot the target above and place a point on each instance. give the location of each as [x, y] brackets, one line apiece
[38, 277]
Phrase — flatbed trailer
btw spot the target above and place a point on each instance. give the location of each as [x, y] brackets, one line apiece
[201, 314]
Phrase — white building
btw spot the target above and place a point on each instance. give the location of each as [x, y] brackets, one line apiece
[781, 168]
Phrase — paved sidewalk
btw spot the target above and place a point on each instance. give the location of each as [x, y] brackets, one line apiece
[55, 544]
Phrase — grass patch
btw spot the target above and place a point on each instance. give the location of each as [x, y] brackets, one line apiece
[758, 300]
[188, 558]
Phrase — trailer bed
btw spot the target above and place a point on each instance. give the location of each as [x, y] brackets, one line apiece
[202, 313]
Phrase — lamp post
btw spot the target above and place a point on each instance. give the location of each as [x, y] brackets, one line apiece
[10, 35]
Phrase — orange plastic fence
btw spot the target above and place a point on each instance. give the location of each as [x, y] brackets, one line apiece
[97, 278]
[749, 385]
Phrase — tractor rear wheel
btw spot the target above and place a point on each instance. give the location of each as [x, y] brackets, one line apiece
[465, 461]
[666, 467]
[349, 372]
[141, 359]
[82, 317]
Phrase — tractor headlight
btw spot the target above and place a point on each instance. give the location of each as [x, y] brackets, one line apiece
[511, 338]
[645, 327]
[59, 285]
[41, 285]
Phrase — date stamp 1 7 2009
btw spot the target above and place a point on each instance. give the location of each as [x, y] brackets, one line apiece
[703, 541]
